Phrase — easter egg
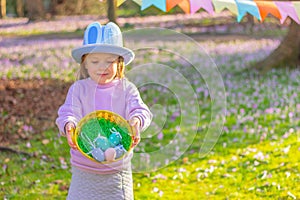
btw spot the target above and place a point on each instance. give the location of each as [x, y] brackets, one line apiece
[98, 154]
[115, 138]
[110, 154]
[102, 142]
[120, 151]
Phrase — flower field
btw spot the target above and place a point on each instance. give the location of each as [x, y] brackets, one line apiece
[256, 155]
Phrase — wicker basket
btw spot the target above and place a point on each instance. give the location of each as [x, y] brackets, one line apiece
[94, 133]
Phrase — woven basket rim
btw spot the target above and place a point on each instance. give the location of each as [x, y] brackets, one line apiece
[97, 114]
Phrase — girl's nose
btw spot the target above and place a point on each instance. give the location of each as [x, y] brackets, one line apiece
[103, 66]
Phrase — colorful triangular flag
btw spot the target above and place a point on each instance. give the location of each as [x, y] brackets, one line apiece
[287, 9]
[139, 2]
[185, 6]
[120, 2]
[267, 7]
[161, 4]
[246, 6]
[196, 5]
[296, 5]
[172, 3]
[220, 5]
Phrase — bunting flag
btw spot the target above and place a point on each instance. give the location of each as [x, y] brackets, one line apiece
[297, 8]
[172, 3]
[206, 5]
[287, 9]
[138, 2]
[267, 7]
[246, 6]
[220, 5]
[161, 4]
[258, 8]
[120, 2]
[185, 6]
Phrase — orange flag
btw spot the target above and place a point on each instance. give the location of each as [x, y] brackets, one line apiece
[267, 7]
[185, 6]
[172, 3]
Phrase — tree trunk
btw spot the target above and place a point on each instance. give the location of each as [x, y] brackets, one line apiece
[35, 8]
[20, 8]
[52, 9]
[111, 11]
[78, 7]
[2, 8]
[287, 54]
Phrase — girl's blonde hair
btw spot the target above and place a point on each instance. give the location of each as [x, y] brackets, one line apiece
[84, 74]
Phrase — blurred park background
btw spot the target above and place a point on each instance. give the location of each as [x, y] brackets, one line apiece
[257, 156]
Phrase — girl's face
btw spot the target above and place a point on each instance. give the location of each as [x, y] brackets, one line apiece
[101, 67]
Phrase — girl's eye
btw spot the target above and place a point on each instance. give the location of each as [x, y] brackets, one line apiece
[94, 62]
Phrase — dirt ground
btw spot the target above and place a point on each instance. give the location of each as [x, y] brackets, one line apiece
[28, 107]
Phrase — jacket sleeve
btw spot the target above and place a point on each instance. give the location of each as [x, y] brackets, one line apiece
[135, 107]
[71, 110]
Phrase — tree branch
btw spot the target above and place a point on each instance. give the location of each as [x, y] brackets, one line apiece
[7, 149]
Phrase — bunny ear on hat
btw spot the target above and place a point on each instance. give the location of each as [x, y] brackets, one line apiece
[114, 34]
[103, 39]
[93, 34]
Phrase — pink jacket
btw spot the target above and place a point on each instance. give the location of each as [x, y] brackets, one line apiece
[85, 96]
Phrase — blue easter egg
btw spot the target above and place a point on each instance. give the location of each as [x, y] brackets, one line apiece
[115, 138]
[120, 151]
[102, 142]
[98, 154]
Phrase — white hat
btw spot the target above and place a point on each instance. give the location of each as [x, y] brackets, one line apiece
[103, 39]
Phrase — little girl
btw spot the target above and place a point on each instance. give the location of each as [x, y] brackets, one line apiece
[102, 86]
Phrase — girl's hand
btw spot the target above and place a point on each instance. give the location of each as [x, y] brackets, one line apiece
[69, 129]
[136, 124]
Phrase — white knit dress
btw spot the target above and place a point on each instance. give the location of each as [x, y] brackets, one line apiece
[90, 186]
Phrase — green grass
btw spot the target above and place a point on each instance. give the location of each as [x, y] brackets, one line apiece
[237, 170]
[244, 164]
[229, 174]
[41, 175]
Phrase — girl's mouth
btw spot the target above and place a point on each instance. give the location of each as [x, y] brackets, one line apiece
[102, 74]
